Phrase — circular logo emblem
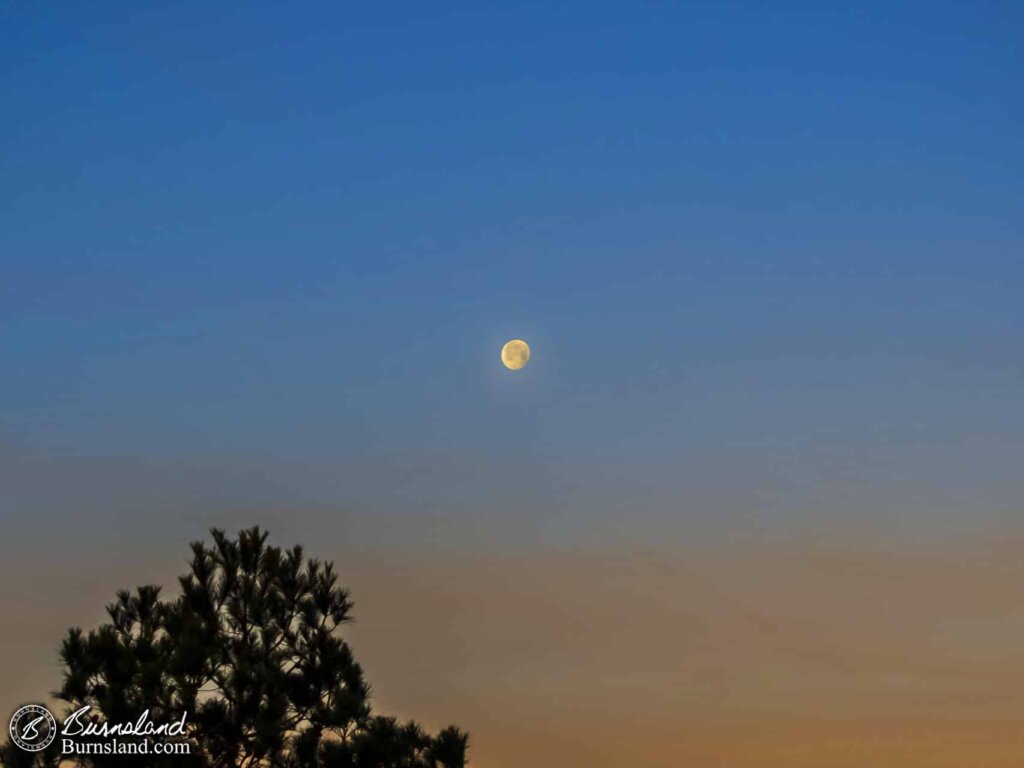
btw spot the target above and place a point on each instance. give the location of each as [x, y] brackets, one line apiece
[33, 728]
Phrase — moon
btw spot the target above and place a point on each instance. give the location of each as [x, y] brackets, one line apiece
[515, 354]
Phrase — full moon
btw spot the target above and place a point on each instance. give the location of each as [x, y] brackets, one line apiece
[515, 354]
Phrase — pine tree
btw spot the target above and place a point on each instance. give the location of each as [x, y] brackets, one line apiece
[250, 649]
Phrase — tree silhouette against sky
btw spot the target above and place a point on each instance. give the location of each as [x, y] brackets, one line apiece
[250, 650]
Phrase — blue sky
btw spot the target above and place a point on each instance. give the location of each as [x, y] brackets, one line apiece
[769, 260]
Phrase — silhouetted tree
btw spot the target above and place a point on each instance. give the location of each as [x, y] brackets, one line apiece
[250, 650]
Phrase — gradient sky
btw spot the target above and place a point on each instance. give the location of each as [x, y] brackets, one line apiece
[257, 263]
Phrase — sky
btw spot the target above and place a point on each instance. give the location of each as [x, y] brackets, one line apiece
[257, 264]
